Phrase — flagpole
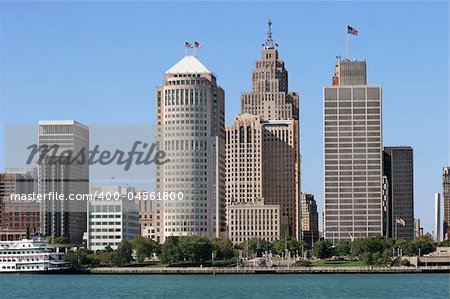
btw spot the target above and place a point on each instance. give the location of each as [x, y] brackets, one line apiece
[396, 233]
[346, 45]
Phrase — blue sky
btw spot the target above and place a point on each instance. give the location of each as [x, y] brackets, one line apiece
[98, 63]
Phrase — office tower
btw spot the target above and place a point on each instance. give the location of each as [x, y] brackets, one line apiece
[262, 152]
[253, 219]
[112, 221]
[310, 218]
[417, 228]
[398, 169]
[19, 216]
[352, 154]
[446, 200]
[437, 217]
[191, 131]
[61, 176]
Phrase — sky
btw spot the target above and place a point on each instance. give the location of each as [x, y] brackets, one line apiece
[99, 63]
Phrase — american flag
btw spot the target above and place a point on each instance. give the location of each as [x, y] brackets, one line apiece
[188, 45]
[400, 221]
[198, 45]
[351, 30]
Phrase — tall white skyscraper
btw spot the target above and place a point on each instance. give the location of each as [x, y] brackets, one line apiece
[352, 154]
[191, 130]
[65, 218]
[437, 217]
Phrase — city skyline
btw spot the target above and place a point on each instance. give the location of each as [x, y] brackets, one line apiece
[240, 54]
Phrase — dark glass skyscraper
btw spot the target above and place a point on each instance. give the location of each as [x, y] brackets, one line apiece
[398, 169]
[446, 200]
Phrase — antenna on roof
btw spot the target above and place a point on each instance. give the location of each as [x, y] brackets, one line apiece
[269, 43]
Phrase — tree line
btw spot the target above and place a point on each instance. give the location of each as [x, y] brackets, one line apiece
[197, 250]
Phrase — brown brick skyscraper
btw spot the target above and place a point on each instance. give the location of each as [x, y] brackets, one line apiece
[265, 139]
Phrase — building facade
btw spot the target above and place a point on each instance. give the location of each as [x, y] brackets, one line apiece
[262, 144]
[111, 221]
[19, 218]
[244, 159]
[310, 218]
[248, 220]
[446, 201]
[58, 175]
[418, 230]
[191, 131]
[398, 169]
[150, 218]
[352, 154]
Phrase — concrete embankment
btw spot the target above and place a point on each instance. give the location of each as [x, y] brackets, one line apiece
[263, 270]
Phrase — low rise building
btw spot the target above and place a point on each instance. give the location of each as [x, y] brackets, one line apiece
[111, 221]
[248, 220]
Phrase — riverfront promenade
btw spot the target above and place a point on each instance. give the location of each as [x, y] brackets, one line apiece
[263, 270]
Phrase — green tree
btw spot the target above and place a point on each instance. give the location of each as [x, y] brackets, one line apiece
[367, 257]
[323, 249]
[103, 257]
[445, 243]
[58, 240]
[254, 244]
[370, 244]
[283, 243]
[343, 248]
[123, 255]
[425, 243]
[222, 249]
[170, 253]
[80, 258]
[294, 246]
[405, 262]
[195, 248]
[144, 247]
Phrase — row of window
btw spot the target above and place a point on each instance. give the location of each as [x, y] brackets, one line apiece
[186, 229]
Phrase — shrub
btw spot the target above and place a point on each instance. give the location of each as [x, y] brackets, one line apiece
[405, 262]
[303, 263]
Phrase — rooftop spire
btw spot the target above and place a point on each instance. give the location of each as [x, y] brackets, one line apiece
[269, 43]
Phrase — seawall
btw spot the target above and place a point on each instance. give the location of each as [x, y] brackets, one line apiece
[264, 270]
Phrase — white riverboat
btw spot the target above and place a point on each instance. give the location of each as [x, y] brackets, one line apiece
[31, 255]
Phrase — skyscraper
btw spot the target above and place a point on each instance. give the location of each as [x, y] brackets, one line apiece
[437, 217]
[446, 200]
[398, 168]
[17, 217]
[352, 154]
[63, 218]
[262, 151]
[191, 130]
[310, 218]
